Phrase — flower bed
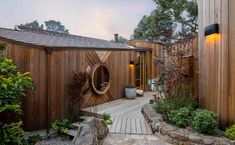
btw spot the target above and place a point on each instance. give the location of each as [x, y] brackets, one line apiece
[176, 135]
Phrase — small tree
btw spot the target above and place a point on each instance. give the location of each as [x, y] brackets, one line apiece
[35, 25]
[12, 87]
[172, 20]
[176, 80]
[55, 26]
[77, 89]
[50, 25]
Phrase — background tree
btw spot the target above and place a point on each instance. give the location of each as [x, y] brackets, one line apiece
[156, 27]
[33, 24]
[55, 26]
[50, 25]
[171, 20]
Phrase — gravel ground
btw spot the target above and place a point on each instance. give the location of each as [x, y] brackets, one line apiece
[132, 139]
[56, 141]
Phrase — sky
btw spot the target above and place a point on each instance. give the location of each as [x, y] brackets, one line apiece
[92, 18]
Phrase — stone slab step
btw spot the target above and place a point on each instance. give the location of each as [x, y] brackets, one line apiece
[72, 132]
[76, 124]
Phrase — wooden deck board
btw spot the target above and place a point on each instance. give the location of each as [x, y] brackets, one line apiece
[126, 115]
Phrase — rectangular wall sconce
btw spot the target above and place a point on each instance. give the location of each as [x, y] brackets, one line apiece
[132, 62]
[212, 29]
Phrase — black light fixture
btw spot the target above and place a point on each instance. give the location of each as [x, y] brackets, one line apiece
[212, 29]
[131, 62]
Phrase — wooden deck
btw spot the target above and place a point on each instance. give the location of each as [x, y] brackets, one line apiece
[126, 115]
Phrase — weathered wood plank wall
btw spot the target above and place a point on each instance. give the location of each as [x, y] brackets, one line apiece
[217, 73]
[58, 68]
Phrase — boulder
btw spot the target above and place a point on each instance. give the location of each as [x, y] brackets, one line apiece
[91, 133]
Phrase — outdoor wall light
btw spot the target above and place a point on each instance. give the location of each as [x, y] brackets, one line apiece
[131, 63]
[212, 29]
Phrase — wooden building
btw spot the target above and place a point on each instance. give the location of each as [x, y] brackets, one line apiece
[217, 56]
[52, 59]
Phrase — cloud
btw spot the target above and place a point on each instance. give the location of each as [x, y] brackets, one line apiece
[94, 18]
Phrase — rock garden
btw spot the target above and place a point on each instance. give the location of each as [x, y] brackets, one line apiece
[176, 114]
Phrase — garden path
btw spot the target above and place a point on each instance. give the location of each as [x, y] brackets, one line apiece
[126, 114]
[129, 126]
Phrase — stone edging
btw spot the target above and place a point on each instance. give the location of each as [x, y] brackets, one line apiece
[175, 135]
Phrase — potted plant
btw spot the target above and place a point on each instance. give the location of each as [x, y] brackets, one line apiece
[130, 92]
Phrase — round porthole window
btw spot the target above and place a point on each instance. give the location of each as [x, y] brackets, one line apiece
[100, 78]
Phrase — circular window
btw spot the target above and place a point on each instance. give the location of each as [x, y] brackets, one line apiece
[100, 78]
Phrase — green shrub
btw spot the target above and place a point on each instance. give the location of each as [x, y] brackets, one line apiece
[162, 106]
[11, 134]
[61, 125]
[205, 122]
[108, 122]
[12, 88]
[107, 118]
[77, 89]
[12, 83]
[194, 113]
[230, 132]
[182, 101]
[180, 117]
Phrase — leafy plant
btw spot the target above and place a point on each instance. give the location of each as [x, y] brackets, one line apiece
[176, 78]
[181, 101]
[12, 83]
[11, 134]
[2, 46]
[230, 132]
[107, 118]
[194, 112]
[14, 108]
[160, 25]
[12, 87]
[162, 106]
[61, 125]
[78, 88]
[180, 117]
[205, 122]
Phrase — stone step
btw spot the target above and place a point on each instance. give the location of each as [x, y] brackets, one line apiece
[76, 124]
[72, 132]
[86, 120]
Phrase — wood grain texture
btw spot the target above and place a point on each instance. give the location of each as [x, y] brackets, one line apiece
[217, 59]
[126, 114]
[51, 73]
[151, 69]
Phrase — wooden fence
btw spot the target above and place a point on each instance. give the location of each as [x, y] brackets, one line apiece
[52, 72]
[158, 51]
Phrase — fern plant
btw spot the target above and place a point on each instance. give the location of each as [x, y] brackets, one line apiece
[61, 125]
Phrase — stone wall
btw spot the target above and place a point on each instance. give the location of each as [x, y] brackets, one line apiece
[179, 136]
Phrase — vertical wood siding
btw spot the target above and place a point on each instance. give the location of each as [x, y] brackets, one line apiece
[217, 73]
[62, 64]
